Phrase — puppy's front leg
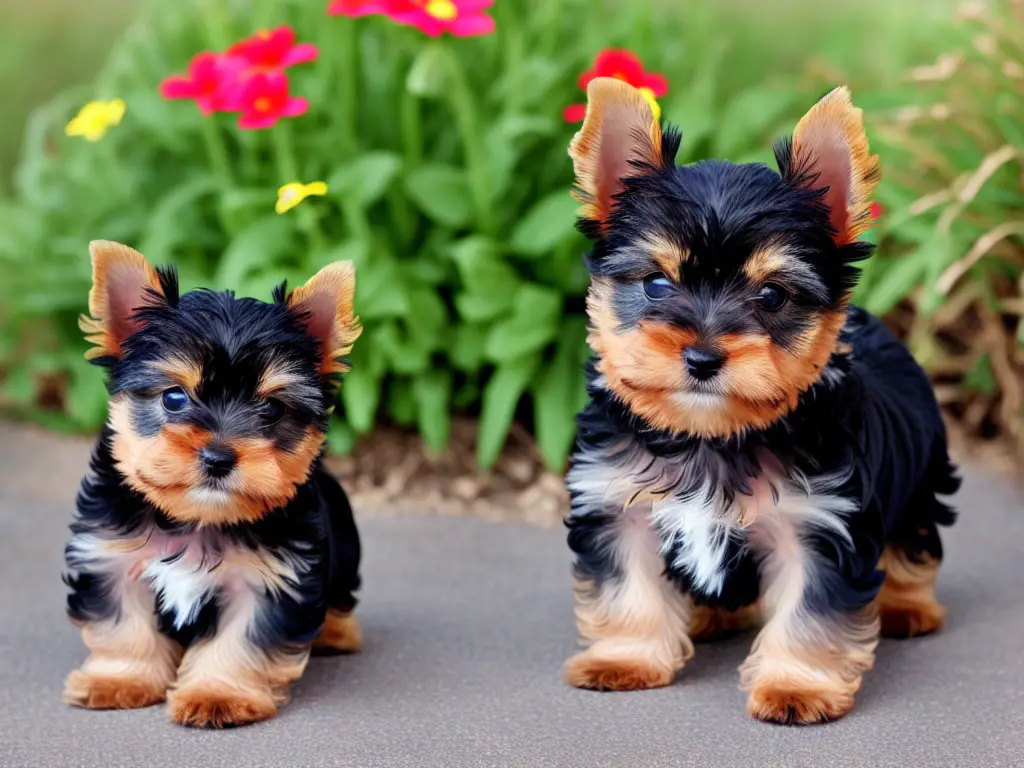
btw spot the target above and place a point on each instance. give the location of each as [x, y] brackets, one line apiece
[241, 674]
[130, 664]
[633, 618]
[822, 630]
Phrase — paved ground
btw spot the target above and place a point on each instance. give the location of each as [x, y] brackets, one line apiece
[467, 624]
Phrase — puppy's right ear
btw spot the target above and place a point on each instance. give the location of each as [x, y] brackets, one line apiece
[620, 138]
[122, 282]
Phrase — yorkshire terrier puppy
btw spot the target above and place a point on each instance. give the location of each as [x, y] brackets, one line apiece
[755, 449]
[211, 549]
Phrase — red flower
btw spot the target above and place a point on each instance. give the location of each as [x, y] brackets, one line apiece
[462, 18]
[626, 66]
[270, 50]
[212, 81]
[876, 211]
[265, 100]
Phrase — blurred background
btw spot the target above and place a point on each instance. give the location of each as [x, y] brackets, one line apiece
[448, 184]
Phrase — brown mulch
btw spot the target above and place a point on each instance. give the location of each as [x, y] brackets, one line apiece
[391, 473]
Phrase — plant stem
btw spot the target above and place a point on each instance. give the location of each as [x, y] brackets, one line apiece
[288, 170]
[461, 100]
[220, 161]
[346, 57]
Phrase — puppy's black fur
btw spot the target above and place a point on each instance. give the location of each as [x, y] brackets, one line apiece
[778, 443]
[208, 529]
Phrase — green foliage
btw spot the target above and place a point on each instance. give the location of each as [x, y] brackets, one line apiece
[448, 187]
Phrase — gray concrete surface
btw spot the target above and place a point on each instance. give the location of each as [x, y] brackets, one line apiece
[467, 624]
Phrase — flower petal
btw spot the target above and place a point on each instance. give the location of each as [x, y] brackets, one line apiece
[575, 113]
[300, 54]
[355, 8]
[178, 87]
[656, 82]
[252, 121]
[295, 106]
[620, 63]
[316, 188]
[472, 25]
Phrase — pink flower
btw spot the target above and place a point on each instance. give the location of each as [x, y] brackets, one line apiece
[356, 8]
[462, 18]
[270, 50]
[876, 211]
[212, 81]
[265, 100]
[622, 65]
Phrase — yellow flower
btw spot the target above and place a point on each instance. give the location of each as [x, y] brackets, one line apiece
[94, 119]
[292, 194]
[648, 94]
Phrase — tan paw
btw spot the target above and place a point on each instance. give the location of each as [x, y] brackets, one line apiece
[587, 670]
[95, 692]
[911, 620]
[796, 702]
[210, 707]
[341, 633]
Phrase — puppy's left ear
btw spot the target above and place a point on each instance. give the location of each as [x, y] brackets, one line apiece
[620, 138]
[325, 306]
[830, 149]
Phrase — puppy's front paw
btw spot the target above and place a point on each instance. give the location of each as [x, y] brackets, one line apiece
[604, 673]
[214, 707]
[93, 691]
[792, 702]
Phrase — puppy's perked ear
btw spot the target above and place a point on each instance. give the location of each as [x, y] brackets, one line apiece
[830, 149]
[618, 133]
[325, 305]
[122, 283]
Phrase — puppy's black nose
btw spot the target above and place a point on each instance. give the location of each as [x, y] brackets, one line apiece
[217, 460]
[702, 363]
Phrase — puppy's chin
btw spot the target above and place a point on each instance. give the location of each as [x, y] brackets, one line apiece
[702, 414]
[204, 505]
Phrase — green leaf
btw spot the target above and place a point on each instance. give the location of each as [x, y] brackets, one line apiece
[402, 403]
[749, 117]
[559, 394]
[360, 392]
[980, 378]
[546, 224]
[427, 75]
[365, 179]
[467, 353]
[501, 395]
[164, 225]
[261, 245]
[896, 282]
[533, 324]
[341, 438]
[442, 193]
[433, 391]
[87, 396]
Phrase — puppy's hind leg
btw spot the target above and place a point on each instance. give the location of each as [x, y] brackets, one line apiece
[341, 632]
[634, 619]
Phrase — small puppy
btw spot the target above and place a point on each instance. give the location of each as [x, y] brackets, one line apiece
[211, 548]
[754, 447]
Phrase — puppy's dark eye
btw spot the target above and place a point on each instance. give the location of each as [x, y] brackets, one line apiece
[771, 297]
[174, 400]
[657, 286]
[273, 411]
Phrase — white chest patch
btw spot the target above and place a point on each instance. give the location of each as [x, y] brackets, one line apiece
[188, 570]
[697, 526]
